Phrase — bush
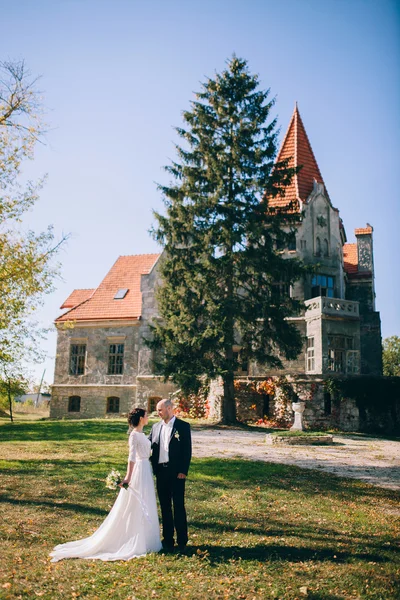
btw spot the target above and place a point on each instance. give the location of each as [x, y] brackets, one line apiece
[194, 406]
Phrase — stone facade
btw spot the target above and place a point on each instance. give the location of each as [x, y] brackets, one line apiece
[95, 392]
[339, 324]
[95, 385]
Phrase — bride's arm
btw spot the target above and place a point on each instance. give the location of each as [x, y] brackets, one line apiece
[128, 473]
[131, 458]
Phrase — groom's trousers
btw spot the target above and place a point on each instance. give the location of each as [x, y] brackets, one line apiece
[171, 493]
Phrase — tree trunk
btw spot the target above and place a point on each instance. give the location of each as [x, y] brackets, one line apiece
[228, 402]
[10, 399]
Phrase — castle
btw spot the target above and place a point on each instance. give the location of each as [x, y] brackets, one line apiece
[103, 366]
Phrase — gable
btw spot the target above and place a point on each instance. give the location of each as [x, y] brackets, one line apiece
[102, 303]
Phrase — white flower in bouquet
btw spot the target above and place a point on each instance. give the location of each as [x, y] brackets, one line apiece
[114, 479]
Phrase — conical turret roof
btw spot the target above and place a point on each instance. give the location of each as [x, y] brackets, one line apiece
[297, 148]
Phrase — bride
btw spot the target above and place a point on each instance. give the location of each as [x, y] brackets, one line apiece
[131, 528]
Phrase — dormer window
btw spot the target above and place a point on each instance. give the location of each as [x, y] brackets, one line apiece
[120, 295]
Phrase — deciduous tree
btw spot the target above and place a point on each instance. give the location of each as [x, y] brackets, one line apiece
[27, 269]
[391, 356]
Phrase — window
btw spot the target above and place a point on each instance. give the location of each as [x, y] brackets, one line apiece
[279, 291]
[353, 362]
[116, 359]
[341, 356]
[152, 403]
[74, 404]
[318, 247]
[265, 405]
[310, 355]
[120, 295]
[292, 242]
[113, 404]
[326, 248]
[303, 244]
[77, 359]
[322, 285]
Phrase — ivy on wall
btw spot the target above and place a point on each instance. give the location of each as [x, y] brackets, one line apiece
[377, 398]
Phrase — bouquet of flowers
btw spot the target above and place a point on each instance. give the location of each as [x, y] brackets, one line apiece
[114, 479]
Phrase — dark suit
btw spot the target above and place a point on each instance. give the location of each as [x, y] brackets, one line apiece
[170, 489]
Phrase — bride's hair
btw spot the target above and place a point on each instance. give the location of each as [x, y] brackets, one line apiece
[135, 416]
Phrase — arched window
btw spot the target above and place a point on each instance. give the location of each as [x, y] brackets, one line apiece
[326, 248]
[74, 404]
[318, 247]
[113, 404]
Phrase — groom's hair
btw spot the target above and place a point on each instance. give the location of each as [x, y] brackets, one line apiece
[167, 402]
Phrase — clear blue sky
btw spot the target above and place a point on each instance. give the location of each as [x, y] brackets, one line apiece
[116, 76]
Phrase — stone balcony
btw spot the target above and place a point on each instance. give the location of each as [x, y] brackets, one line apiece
[332, 307]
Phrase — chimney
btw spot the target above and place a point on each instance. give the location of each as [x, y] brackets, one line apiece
[364, 249]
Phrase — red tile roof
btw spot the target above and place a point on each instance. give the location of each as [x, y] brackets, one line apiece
[77, 297]
[297, 148]
[100, 305]
[364, 230]
[350, 258]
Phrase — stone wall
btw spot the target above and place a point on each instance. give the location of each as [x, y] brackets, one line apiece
[371, 344]
[150, 389]
[323, 410]
[320, 221]
[93, 400]
[97, 339]
[148, 287]
[289, 366]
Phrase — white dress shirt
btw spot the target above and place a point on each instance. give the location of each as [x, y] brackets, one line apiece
[165, 437]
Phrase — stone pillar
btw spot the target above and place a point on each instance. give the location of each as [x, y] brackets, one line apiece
[298, 408]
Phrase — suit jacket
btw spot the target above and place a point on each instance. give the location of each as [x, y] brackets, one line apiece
[180, 447]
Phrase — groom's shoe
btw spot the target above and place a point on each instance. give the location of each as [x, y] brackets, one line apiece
[182, 548]
[168, 549]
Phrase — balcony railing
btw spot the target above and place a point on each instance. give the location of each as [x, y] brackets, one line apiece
[335, 307]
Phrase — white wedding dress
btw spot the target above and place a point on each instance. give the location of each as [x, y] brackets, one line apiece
[131, 529]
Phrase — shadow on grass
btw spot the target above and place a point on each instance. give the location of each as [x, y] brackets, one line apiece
[72, 470]
[38, 431]
[60, 505]
[228, 473]
[262, 552]
[269, 527]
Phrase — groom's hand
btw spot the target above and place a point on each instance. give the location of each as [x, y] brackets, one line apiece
[181, 476]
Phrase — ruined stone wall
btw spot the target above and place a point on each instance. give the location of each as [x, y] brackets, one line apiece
[323, 409]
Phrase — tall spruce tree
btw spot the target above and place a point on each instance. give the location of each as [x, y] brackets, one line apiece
[222, 273]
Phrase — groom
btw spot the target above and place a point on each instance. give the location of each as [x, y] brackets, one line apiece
[171, 445]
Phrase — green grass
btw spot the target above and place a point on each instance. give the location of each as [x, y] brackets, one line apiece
[257, 530]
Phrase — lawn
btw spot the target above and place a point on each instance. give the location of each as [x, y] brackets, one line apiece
[257, 530]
